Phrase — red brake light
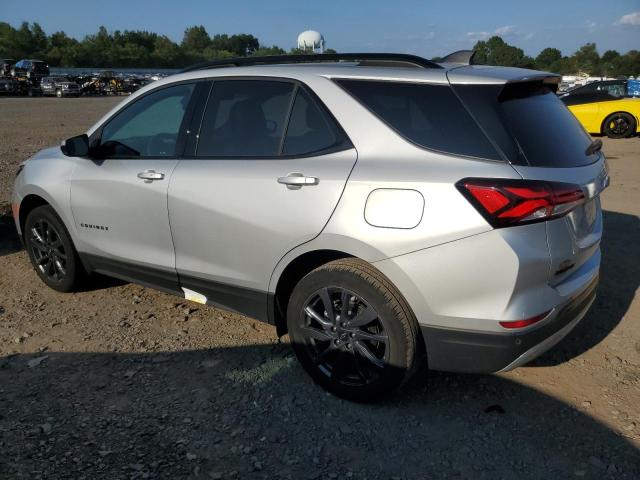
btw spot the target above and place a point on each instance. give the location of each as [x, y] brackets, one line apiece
[524, 323]
[514, 202]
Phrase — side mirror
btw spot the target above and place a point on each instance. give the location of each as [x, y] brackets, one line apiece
[76, 146]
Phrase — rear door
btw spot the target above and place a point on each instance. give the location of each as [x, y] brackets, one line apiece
[266, 173]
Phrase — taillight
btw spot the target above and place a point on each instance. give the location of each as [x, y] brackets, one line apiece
[524, 323]
[514, 202]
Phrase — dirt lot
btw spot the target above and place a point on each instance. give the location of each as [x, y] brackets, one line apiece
[119, 381]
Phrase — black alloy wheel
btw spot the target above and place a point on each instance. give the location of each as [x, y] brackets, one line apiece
[353, 331]
[344, 336]
[619, 125]
[51, 250]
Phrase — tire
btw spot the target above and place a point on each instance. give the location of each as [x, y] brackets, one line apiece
[371, 354]
[619, 125]
[51, 250]
[59, 93]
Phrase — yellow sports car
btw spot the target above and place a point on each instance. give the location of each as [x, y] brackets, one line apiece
[609, 107]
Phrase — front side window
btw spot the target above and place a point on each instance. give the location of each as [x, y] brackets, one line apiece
[150, 126]
[428, 115]
[245, 118]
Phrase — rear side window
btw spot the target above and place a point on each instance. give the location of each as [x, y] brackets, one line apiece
[544, 130]
[245, 118]
[430, 116]
[310, 129]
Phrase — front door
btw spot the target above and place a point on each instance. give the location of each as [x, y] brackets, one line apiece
[119, 201]
[268, 170]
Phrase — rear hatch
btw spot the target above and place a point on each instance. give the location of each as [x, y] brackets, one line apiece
[543, 141]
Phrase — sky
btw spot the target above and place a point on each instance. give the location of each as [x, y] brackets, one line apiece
[428, 28]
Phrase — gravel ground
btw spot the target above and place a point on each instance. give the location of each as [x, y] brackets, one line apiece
[122, 382]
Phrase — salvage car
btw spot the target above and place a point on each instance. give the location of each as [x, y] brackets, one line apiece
[60, 87]
[8, 86]
[609, 107]
[33, 70]
[5, 66]
[336, 201]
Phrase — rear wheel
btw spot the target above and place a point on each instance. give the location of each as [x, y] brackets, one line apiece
[51, 250]
[352, 330]
[619, 125]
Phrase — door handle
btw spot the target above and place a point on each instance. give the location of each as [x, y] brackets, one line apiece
[150, 175]
[296, 180]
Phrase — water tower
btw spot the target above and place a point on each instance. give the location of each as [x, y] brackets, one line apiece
[311, 40]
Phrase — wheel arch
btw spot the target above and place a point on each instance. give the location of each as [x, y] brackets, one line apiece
[27, 204]
[294, 271]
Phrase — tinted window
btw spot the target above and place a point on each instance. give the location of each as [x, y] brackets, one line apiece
[310, 129]
[150, 126]
[614, 89]
[245, 118]
[429, 115]
[546, 132]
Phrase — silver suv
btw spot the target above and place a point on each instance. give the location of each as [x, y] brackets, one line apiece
[381, 209]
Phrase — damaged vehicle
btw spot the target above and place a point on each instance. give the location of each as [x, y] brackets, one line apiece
[59, 86]
[384, 210]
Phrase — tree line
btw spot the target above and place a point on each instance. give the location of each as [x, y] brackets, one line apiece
[142, 49]
[495, 51]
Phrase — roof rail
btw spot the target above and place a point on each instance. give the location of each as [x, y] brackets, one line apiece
[371, 59]
[461, 56]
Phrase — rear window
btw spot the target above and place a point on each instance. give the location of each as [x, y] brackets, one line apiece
[545, 131]
[430, 116]
[529, 123]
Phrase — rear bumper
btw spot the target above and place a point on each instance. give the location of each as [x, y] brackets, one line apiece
[482, 352]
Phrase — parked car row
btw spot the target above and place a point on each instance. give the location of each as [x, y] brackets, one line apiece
[32, 77]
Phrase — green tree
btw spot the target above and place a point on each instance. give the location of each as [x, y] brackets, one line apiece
[609, 62]
[496, 51]
[240, 45]
[549, 59]
[195, 41]
[273, 50]
[587, 59]
[166, 54]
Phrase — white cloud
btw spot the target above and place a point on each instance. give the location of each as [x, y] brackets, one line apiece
[505, 31]
[478, 35]
[591, 26]
[630, 19]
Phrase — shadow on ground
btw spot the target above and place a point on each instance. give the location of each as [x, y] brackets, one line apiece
[619, 281]
[251, 410]
[9, 241]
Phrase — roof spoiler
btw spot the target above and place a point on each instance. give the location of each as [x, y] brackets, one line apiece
[464, 57]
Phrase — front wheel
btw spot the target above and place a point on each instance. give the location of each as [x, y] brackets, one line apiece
[619, 125]
[59, 93]
[51, 250]
[352, 330]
